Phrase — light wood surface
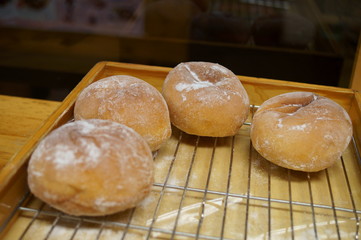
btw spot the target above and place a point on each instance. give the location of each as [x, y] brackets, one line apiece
[20, 118]
[206, 186]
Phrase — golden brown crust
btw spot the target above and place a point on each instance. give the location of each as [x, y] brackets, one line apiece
[91, 167]
[205, 99]
[129, 101]
[301, 131]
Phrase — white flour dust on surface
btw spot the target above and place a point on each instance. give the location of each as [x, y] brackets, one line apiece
[75, 144]
[208, 84]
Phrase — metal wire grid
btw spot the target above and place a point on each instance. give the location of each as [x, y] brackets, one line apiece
[337, 217]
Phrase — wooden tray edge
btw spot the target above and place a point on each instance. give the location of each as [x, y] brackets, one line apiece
[54, 120]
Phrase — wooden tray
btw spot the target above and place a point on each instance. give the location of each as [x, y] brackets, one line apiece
[205, 188]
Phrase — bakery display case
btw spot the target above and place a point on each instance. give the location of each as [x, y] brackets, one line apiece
[205, 188]
[311, 41]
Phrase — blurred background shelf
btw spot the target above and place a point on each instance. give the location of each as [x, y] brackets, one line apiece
[47, 46]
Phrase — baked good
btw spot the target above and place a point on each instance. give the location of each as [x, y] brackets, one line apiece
[91, 167]
[301, 131]
[205, 99]
[130, 101]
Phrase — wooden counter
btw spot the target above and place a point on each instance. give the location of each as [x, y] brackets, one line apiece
[19, 120]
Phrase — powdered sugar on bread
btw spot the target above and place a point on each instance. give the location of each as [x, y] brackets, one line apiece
[304, 131]
[83, 164]
[205, 99]
[130, 101]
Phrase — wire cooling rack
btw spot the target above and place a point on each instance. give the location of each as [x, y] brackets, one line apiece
[218, 188]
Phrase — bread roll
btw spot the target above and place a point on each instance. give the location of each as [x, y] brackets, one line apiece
[301, 131]
[91, 167]
[205, 99]
[129, 101]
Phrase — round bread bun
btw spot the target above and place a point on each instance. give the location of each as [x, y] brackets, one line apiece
[91, 168]
[205, 99]
[301, 131]
[130, 101]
